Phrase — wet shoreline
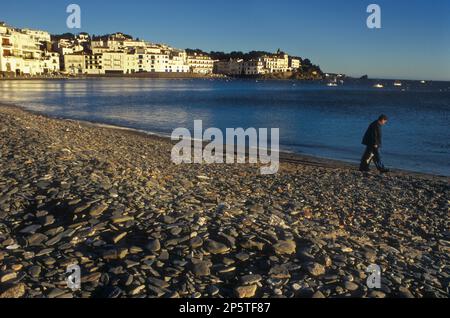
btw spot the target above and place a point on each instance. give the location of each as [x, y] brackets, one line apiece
[285, 156]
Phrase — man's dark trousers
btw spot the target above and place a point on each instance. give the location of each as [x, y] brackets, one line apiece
[372, 153]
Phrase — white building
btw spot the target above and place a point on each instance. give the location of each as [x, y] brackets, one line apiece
[22, 53]
[65, 47]
[200, 64]
[161, 59]
[116, 42]
[113, 62]
[50, 63]
[178, 62]
[131, 63]
[157, 60]
[94, 64]
[153, 58]
[294, 63]
[277, 63]
[6, 58]
[75, 63]
[120, 63]
[38, 35]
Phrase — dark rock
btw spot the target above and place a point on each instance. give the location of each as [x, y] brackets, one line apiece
[154, 246]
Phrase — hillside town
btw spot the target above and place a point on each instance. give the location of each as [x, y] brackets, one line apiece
[27, 52]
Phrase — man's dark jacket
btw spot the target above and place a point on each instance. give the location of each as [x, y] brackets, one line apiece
[373, 135]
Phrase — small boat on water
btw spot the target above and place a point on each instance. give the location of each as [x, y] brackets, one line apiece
[398, 84]
[423, 82]
[378, 85]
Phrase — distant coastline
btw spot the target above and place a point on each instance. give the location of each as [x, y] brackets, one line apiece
[164, 75]
[136, 75]
[180, 76]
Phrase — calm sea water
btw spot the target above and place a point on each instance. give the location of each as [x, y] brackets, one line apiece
[313, 119]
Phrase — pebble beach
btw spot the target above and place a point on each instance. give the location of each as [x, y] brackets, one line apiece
[111, 201]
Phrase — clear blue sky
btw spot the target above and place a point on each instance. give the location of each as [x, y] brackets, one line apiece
[414, 42]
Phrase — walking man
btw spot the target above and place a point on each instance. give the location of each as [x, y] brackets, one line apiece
[373, 141]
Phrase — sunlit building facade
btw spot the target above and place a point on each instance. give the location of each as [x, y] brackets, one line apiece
[22, 52]
[200, 64]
